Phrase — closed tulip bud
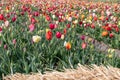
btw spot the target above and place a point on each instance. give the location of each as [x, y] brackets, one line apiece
[48, 35]
[5, 46]
[82, 37]
[111, 35]
[51, 26]
[75, 22]
[14, 19]
[6, 23]
[31, 27]
[0, 29]
[14, 41]
[53, 16]
[1, 17]
[70, 19]
[84, 45]
[67, 45]
[58, 34]
[62, 36]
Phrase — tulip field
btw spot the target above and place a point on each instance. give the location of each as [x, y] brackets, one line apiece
[41, 35]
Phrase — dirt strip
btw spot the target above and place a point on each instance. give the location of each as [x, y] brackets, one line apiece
[81, 73]
[101, 46]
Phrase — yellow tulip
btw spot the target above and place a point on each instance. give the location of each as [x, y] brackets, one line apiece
[47, 30]
[110, 55]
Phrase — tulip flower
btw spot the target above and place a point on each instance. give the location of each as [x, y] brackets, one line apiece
[75, 22]
[31, 27]
[53, 16]
[48, 18]
[49, 35]
[70, 19]
[67, 45]
[104, 33]
[51, 26]
[119, 23]
[0, 29]
[62, 36]
[58, 34]
[82, 37]
[111, 35]
[36, 13]
[108, 28]
[14, 41]
[33, 20]
[36, 38]
[5, 46]
[14, 19]
[68, 25]
[6, 23]
[110, 55]
[1, 17]
[84, 45]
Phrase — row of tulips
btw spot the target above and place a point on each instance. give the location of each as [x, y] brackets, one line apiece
[44, 36]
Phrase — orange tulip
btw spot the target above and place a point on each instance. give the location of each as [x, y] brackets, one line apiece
[104, 33]
[68, 46]
[101, 18]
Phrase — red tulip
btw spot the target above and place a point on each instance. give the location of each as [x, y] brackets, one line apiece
[52, 26]
[114, 26]
[95, 18]
[22, 13]
[65, 31]
[107, 18]
[48, 18]
[68, 25]
[14, 19]
[117, 29]
[111, 35]
[80, 23]
[8, 15]
[0, 29]
[58, 35]
[49, 35]
[82, 37]
[108, 28]
[36, 13]
[1, 17]
[92, 25]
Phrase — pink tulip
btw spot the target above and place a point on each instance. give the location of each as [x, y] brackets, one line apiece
[5, 46]
[84, 45]
[33, 20]
[31, 27]
[14, 41]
